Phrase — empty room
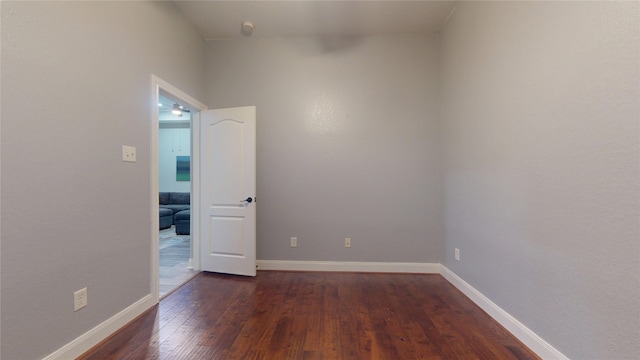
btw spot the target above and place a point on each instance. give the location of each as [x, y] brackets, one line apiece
[368, 179]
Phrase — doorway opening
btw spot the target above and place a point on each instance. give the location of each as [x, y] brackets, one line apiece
[174, 197]
[174, 188]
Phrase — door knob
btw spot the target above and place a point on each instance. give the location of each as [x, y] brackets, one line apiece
[249, 199]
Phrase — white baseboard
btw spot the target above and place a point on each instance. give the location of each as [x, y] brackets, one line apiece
[287, 265]
[515, 327]
[94, 336]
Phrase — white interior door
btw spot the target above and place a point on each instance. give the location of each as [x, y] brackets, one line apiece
[227, 190]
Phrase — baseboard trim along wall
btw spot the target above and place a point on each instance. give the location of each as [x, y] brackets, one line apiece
[515, 327]
[94, 336]
[543, 349]
[287, 265]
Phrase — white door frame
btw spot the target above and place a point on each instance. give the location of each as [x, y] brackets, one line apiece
[196, 106]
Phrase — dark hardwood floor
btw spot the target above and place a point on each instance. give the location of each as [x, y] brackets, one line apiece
[307, 315]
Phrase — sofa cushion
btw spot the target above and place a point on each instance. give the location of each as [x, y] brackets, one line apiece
[175, 208]
[183, 215]
[164, 198]
[166, 218]
[180, 198]
[183, 222]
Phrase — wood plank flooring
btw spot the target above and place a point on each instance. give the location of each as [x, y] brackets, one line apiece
[307, 315]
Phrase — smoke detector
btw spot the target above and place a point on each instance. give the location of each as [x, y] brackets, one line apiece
[247, 28]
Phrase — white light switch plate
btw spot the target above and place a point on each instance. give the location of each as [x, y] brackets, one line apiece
[128, 153]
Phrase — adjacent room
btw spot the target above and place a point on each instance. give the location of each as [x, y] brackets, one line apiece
[489, 149]
[174, 183]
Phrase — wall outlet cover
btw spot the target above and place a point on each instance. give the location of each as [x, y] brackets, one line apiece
[79, 299]
[128, 153]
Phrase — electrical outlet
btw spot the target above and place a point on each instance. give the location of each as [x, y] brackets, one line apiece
[347, 242]
[294, 242]
[457, 254]
[79, 299]
[128, 153]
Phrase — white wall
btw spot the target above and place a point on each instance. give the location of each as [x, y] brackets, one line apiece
[346, 143]
[74, 214]
[540, 126]
[172, 142]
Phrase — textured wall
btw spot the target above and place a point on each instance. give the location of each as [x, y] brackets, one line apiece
[74, 214]
[346, 143]
[540, 121]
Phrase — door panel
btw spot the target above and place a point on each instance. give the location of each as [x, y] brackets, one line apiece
[227, 148]
[227, 227]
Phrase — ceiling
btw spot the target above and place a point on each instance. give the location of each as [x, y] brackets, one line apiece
[165, 105]
[223, 19]
[166, 102]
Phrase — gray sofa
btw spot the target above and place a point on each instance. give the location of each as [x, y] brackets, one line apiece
[166, 218]
[176, 202]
